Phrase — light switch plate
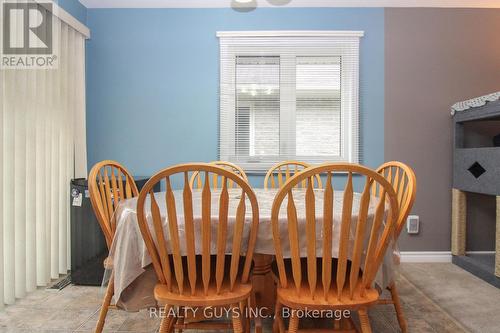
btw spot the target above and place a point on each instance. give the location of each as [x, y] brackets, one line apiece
[413, 224]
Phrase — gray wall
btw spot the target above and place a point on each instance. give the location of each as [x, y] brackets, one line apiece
[435, 57]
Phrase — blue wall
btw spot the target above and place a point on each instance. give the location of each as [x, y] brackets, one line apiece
[153, 79]
[75, 8]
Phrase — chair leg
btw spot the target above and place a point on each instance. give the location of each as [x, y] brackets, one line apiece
[245, 316]
[399, 309]
[167, 321]
[253, 307]
[278, 325]
[349, 324]
[364, 321]
[293, 325]
[180, 319]
[105, 305]
[236, 318]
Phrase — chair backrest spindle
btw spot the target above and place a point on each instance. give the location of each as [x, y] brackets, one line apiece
[174, 234]
[222, 234]
[190, 237]
[162, 242]
[359, 238]
[293, 231]
[237, 237]
[345, 228]
[311, 236]
[206, 230]
[328, 214]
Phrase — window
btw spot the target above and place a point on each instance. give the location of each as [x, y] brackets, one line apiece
[288, 95]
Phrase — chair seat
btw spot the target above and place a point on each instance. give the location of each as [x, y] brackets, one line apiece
[289, 297]
[239, 293]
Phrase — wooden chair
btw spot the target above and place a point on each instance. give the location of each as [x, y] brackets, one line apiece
[109, 183]
[197, 182]
[324, 282]
[279, 173]
[403, 179]
[188, 279]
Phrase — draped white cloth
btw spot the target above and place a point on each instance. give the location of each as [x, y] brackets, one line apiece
[42, 146]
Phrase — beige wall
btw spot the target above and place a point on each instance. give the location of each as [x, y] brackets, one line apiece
[433, 58]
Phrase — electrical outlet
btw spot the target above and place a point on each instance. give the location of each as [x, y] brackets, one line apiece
[412, 224]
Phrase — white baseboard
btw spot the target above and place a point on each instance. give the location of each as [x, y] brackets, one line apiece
[433, 256]
[480, 252]
[425, 256]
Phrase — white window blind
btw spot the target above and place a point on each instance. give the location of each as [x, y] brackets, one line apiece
[288, 95]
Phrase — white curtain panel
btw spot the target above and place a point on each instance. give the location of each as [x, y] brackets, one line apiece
[42, 146]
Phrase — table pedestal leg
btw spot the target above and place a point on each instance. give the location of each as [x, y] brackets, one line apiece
[263, 284]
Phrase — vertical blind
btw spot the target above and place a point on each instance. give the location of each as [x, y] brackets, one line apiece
[288, 95]
[42, 146]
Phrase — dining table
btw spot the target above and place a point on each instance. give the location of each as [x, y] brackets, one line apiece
[134, 277]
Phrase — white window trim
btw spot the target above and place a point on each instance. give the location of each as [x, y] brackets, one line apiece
[291, 33]
[335, 43]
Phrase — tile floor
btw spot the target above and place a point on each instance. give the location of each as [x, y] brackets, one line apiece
[436, 298]
[470, 300]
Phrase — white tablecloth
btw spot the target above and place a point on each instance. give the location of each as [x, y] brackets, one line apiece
[130, 256]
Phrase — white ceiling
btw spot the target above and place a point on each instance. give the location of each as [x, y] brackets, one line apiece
[292, 3]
